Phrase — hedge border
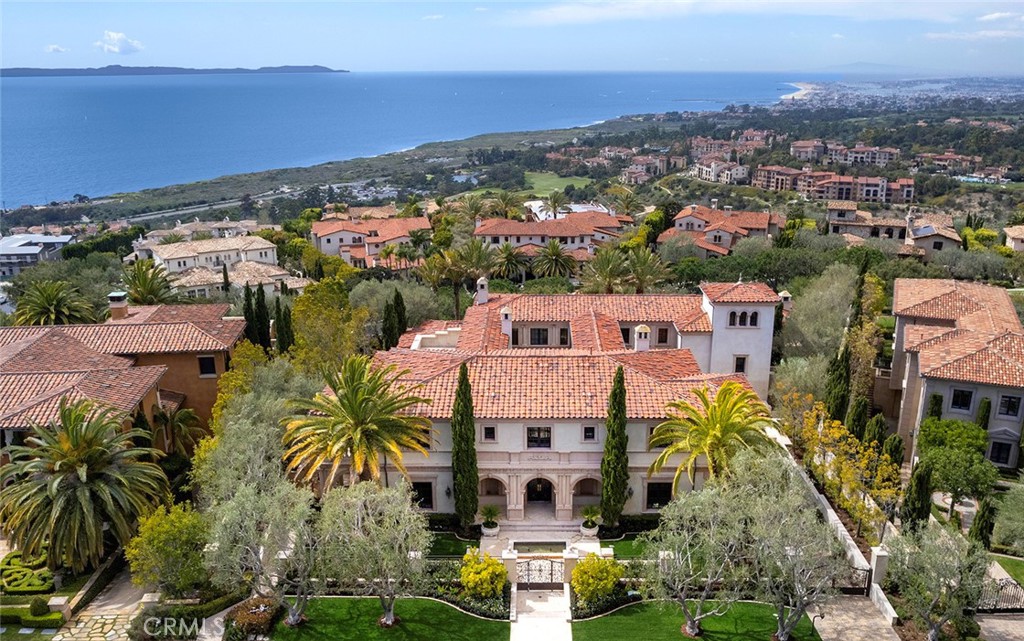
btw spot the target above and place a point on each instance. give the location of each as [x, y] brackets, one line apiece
[103, 577]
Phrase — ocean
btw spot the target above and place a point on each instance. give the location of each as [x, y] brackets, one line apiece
[103, 135]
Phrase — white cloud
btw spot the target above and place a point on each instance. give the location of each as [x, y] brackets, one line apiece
[54, 49]
[996, 34]
[999, 15]
[115, 42]
[838, 36]
[433, 16]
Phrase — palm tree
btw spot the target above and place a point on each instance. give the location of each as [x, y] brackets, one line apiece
[626, 203]
[367, 416]
[455, 272]
[477, 258]
[171, 238]
[433, 270]
[606, 271]
[507, 204]
[472, 206]
[73, 479]
[182, 429]
[386, 253]
[645, 269]
[555, 203]
[148, 284]
[553, 260]
[407, 253]
[510, 261]
[51, 302]
[420, 240]
[714, 428]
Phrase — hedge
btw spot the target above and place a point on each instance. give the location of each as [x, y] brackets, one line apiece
[106, 575]
[619, 597]
[26, 577]
[21, 616]
[136, 631]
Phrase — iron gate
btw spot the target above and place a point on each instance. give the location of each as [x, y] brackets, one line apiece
[1001, 596]
[854, 581]
[540, 573]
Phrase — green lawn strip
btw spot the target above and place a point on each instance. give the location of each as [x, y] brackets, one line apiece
[661, 621]
[1014, 567]
[344, 619]
[447, 544]
[626, 548]
[543, 183]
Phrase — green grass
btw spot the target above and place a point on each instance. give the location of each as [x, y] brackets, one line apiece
[661, 621]
[356, 620]
[940, 513]
[543, 183]
[627, 548]
[1013, 567]
[447, 544]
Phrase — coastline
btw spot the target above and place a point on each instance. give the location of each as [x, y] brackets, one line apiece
[804, 90]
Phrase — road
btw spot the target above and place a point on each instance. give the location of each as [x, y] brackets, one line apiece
[195, 209]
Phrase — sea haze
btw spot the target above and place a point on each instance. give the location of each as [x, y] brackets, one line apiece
[103, 135]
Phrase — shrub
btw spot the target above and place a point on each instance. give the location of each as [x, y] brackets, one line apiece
[584, 610]
[12, 616]
[443, 522]
[48, 620]
[255, 616]
[482, 576]
[590, 515]
[595, 578]
[168, 550]
[490, 515]
[38, 607]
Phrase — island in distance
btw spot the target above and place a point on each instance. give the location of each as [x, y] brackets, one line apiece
[119, 70]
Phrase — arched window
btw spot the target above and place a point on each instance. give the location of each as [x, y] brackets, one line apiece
[732, 319]
[753, 319]
[743, 319]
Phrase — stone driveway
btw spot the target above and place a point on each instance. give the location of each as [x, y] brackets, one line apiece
[1002, 627]
[853, 618]
[108, 616]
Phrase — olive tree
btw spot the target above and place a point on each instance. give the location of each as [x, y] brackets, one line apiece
[374, 542]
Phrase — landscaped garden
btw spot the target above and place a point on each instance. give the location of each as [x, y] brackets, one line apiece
[448, 544]
[1013, 566]
[342, 619]
[660, 621]
[625, 548]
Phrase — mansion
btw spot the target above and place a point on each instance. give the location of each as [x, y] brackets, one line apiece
[541, 368]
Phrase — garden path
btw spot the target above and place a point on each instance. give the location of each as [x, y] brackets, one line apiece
[1002, 627]
[852, 618]
[108, 616]
[542, 615]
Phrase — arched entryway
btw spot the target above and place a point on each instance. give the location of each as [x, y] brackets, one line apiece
[540, 499]
[493, 492]
[586, 491]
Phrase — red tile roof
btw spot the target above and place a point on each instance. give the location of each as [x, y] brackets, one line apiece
[386, 228]
[739, 293]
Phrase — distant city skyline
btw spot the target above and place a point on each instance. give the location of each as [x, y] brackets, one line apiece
[971, 38]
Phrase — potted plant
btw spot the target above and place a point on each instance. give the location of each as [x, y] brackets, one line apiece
[490, 514]
[590, 513]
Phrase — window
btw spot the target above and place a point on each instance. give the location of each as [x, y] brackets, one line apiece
[423, 494]
[1009, 406]
[835, 229]
[515, 335]
[563, 336]
[658, 495]
[494, 240]
[538, 336]
[207, 366]
[538, 437]
[961, 400]
[490, 433]
[743, 319]
[589, 433]
[753, 319]
[937, 244]
[625, 335]
[519, 239]
[732, 319]
[662, 335]
[841, 214]
[741, 365]
[1001, 453]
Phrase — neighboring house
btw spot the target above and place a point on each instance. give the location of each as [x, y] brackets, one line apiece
[715, 231]
[949, 160]
[226, 228]
[581, 230]
[1015, 237]
[776, 178]
[861, 154]
[712, 169]
[538, 210]
[964, 342]
[541, 369]
[931, 234]
[21, 251]
[204, 282]
[807, 150]
[359, 242]
[211, 253]
[845, 218]
[827, 185]
[193, 343]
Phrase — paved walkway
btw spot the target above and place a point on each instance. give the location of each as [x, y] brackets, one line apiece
[853, 618]
[542, 615]
[1001, 627]
[108, 616]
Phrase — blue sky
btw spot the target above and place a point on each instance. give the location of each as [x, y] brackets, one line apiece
[665, 35]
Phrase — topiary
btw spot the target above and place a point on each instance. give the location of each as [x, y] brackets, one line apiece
[37, 607]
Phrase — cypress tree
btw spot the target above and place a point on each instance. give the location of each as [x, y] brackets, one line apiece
[615, 462]
[285, 337]
[917, 502]
[224, 275]
[837, 391]
[777, 352]
[984, 412]
[875, 432]
[400, 315]
[278, 323]
[935, 406]
[284, 288]
[251, 333]
[389, 327]
[318, 270]
[262, 317]
[984, 521]
[465, 478]
[894, 449]
[857, 417]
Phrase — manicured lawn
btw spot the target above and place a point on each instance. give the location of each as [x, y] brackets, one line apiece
[342, 619]
[1013, 567]
[543, 183]
[661, 622]
[447, 544]
[627, 548]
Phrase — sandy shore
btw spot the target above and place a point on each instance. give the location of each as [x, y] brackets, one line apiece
[804, 89]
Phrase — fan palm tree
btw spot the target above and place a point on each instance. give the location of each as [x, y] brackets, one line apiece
[645, 269]
[182, 429]
[553, 260]
[606, 272]
[366, 417]
[50, 302]
[148, 284]
[717, 429]
[510, 261]
[433, 270]
[507, 204]
[555, 203]
[73, 479]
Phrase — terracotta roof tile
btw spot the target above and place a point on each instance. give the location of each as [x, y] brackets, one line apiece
[739, 293]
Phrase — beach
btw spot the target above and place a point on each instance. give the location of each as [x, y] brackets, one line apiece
[804, 89]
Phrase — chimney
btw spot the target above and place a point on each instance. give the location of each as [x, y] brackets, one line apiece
[714, 203]
[481, 296]
[641, 338]
[118, 302]
[728, 208]
[479, 221]
[787, 300]
[506, 322]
